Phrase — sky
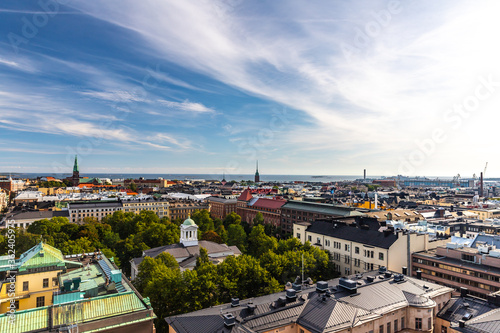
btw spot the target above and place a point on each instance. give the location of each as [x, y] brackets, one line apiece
[211, 86]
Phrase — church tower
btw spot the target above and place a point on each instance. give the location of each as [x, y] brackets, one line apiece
[75, 179]
[257, 176]
[189, 233]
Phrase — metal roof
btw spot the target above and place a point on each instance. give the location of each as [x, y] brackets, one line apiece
[321, 208]
[25, 321]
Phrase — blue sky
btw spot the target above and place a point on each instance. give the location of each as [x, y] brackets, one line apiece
[306, 87]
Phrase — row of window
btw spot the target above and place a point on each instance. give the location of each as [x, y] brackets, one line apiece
[45, 283]
[460, 280]
[481, 275]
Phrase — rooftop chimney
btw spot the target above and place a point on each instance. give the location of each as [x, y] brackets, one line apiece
[405, 270]
[229, 320]
[235, 302]
[419, 274]
[463, 291]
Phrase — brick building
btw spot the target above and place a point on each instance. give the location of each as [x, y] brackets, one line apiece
[220, 207]
[248, 207]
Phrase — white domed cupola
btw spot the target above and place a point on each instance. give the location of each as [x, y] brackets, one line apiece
[189, 233]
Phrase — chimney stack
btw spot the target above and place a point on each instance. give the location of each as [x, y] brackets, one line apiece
[364, 174]
[481, 184]
[419, 274]
[405, 270]
[463, 291]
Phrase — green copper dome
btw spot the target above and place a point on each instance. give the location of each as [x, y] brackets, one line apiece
[188, 222]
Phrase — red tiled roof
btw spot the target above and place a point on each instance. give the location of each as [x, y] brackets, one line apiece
[245, 196]
[268, 203]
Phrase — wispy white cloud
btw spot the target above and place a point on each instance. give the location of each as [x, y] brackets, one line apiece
[395, 83]
[187, 106]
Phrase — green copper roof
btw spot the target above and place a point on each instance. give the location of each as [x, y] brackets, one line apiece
[97, 308]
[40, 255]
[25, 321]
[75, 167]
[188, 222]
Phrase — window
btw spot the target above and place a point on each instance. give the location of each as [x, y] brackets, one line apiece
[40, 301]
[301, 331]
[395, 325]
[389, 327]
[429, 323]
[356, 250]
[418, 323]
[298, 235]
[402, 323]
[309, 238]
[347, 271]
[318, 240]
[347, 247]
[444, 329]
[381, 329]
[16, 304]
[381, 255]
[26, 286]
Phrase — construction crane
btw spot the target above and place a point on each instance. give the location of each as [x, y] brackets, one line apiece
[484, 172]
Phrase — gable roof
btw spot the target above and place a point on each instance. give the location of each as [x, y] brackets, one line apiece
[321, 208]
[245, 196]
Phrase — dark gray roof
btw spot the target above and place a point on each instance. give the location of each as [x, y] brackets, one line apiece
[179, 251]
[222, 200]
[342, 231]
[37, 215]
[340, 310]
[321, 208]
[458, 307]
[83, 205]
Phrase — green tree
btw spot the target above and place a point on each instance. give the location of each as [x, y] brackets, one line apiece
[231, 218]
[221, 231]
[258, 219]
[133, 187]
[211, 236]
[236, 236]
[259, 243]
[203, 220]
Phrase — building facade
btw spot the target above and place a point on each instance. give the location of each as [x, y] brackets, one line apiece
[456, 266]
[78, 211]
[221, 207]
[269, 208]
[357, 250]
[160, 207]
[184, 208]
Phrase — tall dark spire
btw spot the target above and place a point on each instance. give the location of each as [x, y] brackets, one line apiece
[75, 166]
[76, 173]
[257, 176]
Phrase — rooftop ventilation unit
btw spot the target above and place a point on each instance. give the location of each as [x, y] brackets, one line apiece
[281, 301]
[76, 283]
[251, 308]
[399, 277]
[382, 269]
[370, 278]
[235, 302]
[296, 287]
[291, 294]
[359, 276]
[229, 320]
[321, 286]
[388, 274]
[348, 284]
[67, 285]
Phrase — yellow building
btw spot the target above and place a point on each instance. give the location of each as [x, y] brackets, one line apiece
[36, 277]
[484, 214]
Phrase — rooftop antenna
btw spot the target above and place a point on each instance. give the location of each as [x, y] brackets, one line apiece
[302, 267]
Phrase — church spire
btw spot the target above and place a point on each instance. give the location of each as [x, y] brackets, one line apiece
[75, 166]
[257, 176]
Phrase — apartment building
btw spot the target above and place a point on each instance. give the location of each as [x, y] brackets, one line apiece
[184, 208]
[221, 207]
[160, 207]
[455, 265]
[374, 302]
[486, 213]
[358, 249]
[269, 208]
[303, 211]
[4, 198]
[95, 209]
